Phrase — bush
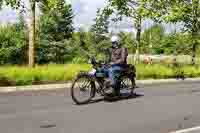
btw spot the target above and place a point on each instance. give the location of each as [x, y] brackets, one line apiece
[6, 82]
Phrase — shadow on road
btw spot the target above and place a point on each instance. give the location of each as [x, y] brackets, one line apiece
[123, 97]
[115, 99]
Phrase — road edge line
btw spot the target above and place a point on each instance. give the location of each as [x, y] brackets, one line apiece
[187, 130]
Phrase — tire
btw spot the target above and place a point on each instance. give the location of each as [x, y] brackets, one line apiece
[127, 84]
[78, 87]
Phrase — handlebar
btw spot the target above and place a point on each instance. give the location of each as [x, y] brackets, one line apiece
[99, 63]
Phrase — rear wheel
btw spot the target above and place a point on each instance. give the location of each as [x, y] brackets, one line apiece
[127, 86]
[83, 89]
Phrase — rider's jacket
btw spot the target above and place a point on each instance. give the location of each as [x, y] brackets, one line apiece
[119, 55]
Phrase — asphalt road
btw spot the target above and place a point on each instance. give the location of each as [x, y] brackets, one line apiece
[158, 109]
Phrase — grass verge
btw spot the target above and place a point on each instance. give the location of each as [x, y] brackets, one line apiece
[19, 75]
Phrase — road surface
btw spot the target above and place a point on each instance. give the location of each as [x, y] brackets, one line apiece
[159, 109]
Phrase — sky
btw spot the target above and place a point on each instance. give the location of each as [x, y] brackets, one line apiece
[85, 12]
[7, 15]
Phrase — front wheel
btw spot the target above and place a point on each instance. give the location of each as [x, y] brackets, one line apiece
[83, 89]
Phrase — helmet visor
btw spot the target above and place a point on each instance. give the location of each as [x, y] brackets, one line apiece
[115, 44]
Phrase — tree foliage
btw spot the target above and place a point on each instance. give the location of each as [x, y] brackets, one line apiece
[56, 27]
[57, 20]
[13, 42]
[151, 39]
[101, 23]
[58, 43]
[184, 11]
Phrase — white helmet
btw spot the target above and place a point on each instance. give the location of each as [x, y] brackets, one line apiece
[114, 39]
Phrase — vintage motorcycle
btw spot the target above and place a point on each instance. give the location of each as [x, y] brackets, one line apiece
[87, 84]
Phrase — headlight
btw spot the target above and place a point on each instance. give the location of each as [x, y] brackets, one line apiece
[92, 72]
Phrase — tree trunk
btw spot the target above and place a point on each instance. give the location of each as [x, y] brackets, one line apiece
[194, 53]
[195, 4]
[32, 36]
[138, 38]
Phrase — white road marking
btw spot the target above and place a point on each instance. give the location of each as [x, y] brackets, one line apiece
[187, 130]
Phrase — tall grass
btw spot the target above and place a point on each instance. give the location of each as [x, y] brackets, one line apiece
[191, 71]
[21, 75]
[154, 71]
[47, 73]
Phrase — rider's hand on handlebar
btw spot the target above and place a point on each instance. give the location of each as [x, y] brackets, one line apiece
[101, 62]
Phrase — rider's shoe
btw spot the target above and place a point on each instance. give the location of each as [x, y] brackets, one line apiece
[117, 93]
[111, 96]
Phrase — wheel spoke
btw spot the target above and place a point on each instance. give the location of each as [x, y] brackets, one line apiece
[126, 86]
[82, 90]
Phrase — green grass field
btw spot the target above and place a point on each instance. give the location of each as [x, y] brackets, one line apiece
[18, 75]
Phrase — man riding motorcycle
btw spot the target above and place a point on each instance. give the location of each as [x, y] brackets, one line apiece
[118, 62]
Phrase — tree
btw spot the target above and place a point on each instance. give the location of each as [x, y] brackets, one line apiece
[134, 9]
[128, 40]
[57, 20]
[32, 28]
[32, 35]
[184, 11]
[100, 28]
[152, 38]
[13, 42]
[101, 23]
[56, 27]
[17, 4]
[100, 31]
